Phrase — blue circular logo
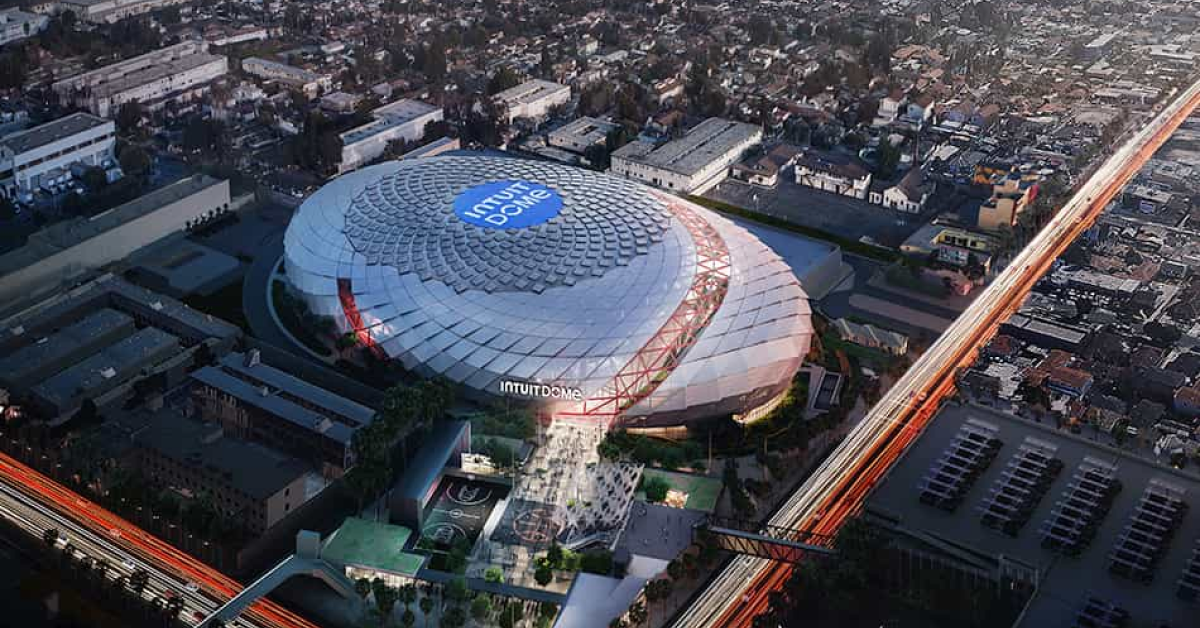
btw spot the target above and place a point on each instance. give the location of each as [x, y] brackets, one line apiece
[507, 204]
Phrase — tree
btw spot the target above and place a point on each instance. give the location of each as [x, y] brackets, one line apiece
[408, 618]
[638, 614]
[454, 618]
[504, 78]
[8, 211]
[134, 160]
[362, 586]
[494, 574]
[656, 488]
[426, 605]
[385, 599]
[481, 607]
[543, 575]
[512, 614]
[129, 117]
[456, 589]
[554, 555]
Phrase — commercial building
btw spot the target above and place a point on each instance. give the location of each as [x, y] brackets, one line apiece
[69, 249]
[309, 82]
[108, 11]
[552, 285]
[691, 164]
[833, 173]
[532, 99]
[16, 25]
[177, 74]
[403, 120]
[581, 134]
[247, 482]
[1012, 194]
[953, 245]
[261, 403]
[43, 155]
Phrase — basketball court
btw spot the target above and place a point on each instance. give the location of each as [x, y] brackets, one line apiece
[459, 509]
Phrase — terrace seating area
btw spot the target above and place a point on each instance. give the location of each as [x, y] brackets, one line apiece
[1021, 486]
[1073, 523]
[967, 456]
[1154, 523]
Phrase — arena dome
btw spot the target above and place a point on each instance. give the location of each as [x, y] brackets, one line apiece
[595, 296]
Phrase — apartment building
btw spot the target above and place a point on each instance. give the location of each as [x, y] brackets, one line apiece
[178, 74]
[532, 99]
[44, 154]
[400, 120]
[691, 164]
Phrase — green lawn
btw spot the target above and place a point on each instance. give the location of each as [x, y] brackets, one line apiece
[372, 545]
[702, 492]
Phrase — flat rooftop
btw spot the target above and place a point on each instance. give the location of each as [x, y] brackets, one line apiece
[251, 468]
[63, 235]
[1065, 581]
[529, 91]
[116, 362]
[371, 545]
[687, 155]
[50, 132]
[388, 117]
[46, 351]
[153, 73]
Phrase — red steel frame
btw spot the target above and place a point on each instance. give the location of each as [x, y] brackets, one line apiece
[354, 317]
[643, 374]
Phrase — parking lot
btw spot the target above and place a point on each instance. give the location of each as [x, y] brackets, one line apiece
[840, 215]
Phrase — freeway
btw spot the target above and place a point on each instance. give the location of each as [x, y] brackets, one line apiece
[36, 503]
[837, 489]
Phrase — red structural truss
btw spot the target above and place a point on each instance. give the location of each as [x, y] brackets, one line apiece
[354, 317]
[651, 365]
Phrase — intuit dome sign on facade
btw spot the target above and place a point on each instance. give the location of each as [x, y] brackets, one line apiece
[507, 204]
[587, 295]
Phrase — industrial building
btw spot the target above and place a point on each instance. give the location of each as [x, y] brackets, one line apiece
[179, 73]
[403, 120]
[69, 249]
[587, 295]
[261, 403]
[109, 11]
[691, 164]
[95, 341]
[43, 156]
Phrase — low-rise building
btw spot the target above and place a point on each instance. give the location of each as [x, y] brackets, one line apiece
[1012, 194]
[953, 245]
[581, 134]
[16, 25]
[247, 482]
[833, 173]
[44, 154]
[691, 164]
[532, 99]
[765, 169]
[309, 82]
[908, 195]
[263, 404]
[403, 120]
[109, 11]
[178, 74]
[71, 248]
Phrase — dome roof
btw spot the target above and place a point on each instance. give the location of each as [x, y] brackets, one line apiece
[491, 269]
